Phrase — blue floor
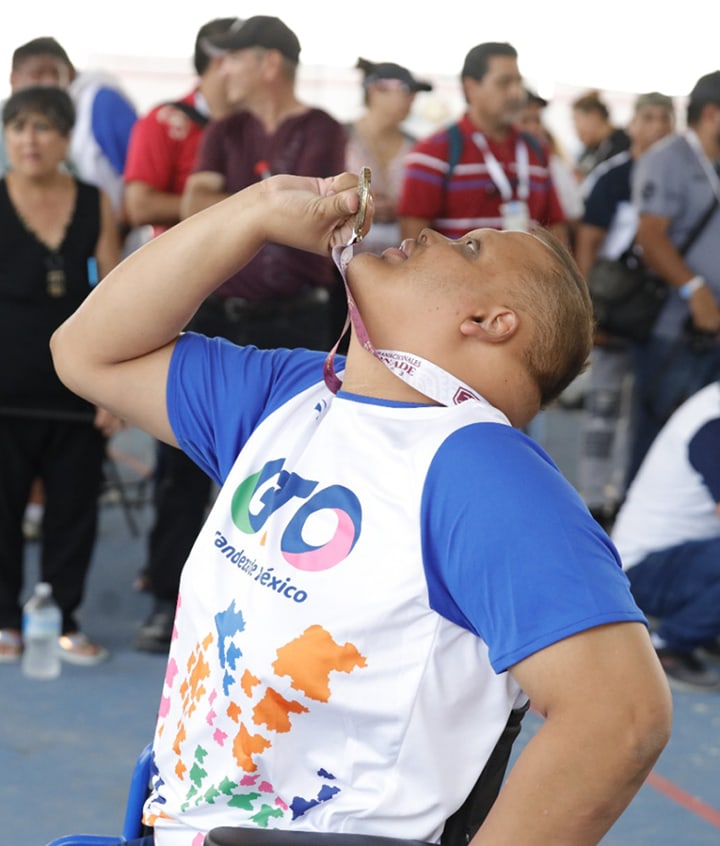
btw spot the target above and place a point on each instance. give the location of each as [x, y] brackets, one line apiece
[67, 746]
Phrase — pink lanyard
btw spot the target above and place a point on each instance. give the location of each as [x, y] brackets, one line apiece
[427, 378]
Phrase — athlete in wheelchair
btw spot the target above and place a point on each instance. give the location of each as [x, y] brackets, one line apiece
[392, 568]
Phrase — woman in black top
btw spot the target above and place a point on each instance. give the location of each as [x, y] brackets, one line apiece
[58, 238]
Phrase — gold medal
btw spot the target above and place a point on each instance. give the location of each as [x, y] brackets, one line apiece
[364, 195]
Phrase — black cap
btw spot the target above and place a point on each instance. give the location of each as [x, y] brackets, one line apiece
[259, 31]
[389, 70]
[707, 89]
[534, 98]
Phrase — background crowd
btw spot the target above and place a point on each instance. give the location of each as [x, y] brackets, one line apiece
[651, 186]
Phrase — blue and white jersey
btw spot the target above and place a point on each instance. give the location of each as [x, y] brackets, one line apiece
[348, 615]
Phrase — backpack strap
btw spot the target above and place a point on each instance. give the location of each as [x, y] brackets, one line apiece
[536, 147]
[455, 148]
[190, 110]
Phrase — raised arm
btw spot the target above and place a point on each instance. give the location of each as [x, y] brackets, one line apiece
[115, 350]
[607, 711]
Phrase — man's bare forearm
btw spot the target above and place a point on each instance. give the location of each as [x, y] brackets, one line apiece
[570, 785]
[148, 299]
[142, 306]
[608, 715]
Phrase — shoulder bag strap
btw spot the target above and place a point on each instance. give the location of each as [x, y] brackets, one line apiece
[631, 255]
[699, 227]
[189, 110]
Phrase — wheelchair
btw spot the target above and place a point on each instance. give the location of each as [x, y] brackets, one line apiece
[459, 829]
[132, 826]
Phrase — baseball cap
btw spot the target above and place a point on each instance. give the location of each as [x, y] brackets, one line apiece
[534, 98]
[707, 89]
[259, 31]
[389, 70]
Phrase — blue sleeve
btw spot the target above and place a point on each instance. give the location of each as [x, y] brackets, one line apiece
[113, 118]
[217, 394]
[510, 550]
[704, 456]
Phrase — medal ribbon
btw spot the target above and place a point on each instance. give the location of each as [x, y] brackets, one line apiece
[427, 378]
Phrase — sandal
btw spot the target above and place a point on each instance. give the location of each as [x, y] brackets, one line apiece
[77, 648]
[10, 646]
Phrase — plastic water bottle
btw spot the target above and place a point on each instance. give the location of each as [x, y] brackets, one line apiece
[42, 623]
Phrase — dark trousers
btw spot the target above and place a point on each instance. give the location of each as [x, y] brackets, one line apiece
[68, 457]
[181, 495]
[182, 490]
[681, 587]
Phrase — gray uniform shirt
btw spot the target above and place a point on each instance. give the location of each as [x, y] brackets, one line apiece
[671, 181]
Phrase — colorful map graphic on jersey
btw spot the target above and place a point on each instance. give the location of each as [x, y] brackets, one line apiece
[243, 719]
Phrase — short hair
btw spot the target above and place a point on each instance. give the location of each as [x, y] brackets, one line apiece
[591, 102]
[47, 100]
[478, 59]
[217, 26]
[44, 46]
[653, 98]
[695, 110]
[557, 298]
[705, 91]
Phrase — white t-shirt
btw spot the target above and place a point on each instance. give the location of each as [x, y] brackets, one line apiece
[348, 614]
[672, 498]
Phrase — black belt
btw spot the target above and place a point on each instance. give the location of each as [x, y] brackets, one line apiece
[239, 308]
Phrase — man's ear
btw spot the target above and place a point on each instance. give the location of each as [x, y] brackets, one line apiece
[496, 325]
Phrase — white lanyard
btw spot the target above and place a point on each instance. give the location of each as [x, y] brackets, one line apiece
[710, 172]
[424, 376]
[497, 172]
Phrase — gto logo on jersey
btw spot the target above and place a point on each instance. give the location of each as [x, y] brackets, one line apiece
[325, 522]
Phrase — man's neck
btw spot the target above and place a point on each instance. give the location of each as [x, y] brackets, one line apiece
[490, 127]
[367, 376]
[274, 107]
